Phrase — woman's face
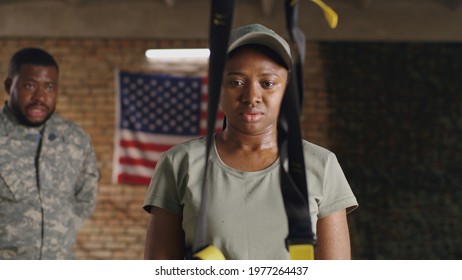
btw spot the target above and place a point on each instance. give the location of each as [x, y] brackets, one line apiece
[252, 91]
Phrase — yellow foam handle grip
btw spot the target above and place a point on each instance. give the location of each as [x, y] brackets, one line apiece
[330, 15]
[209, 253]
[301, 252]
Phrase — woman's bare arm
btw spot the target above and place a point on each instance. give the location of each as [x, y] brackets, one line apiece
[333, 237]
[165, 236]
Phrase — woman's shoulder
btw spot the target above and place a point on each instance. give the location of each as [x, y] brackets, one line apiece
[314, 149]
[318, 157]
[186, 156]
[194, 146]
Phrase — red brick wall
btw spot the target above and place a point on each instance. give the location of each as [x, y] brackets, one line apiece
[316, 107]
[87, 96]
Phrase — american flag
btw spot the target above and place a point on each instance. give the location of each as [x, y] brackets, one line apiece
[153, 113]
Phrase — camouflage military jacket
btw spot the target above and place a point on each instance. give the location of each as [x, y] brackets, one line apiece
[48, 184]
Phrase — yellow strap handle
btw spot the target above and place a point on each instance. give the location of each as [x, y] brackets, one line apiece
[330, 15]
[297, 252]
[209, 253]
[301, 252]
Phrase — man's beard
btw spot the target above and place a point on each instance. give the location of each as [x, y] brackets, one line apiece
[23, 120]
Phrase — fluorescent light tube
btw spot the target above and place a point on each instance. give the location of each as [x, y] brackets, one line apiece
[177, 54]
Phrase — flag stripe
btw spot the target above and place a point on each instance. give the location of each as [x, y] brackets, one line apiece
[133, 179]
[138, 162]
[139, 154]
[142, 137]
[144, 146]
[138, 170]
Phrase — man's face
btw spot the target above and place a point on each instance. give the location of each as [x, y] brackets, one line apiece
[32, 93]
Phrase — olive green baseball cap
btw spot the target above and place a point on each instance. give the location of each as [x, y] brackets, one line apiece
[257, 34]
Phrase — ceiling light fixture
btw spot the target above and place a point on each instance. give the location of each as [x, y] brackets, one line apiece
[177, 55]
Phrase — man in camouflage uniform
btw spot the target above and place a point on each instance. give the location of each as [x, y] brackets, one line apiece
[48, 169]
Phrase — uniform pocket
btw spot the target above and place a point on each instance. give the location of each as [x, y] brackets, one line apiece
[17, 180]
[5, 192]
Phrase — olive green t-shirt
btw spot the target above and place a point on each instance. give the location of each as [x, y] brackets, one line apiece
[246, 214]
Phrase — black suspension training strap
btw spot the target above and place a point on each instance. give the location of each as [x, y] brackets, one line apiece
[220, 29]
[297, 37]
[301, 240]
[297, 40]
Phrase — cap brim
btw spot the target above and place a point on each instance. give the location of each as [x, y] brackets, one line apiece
[264, 39]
